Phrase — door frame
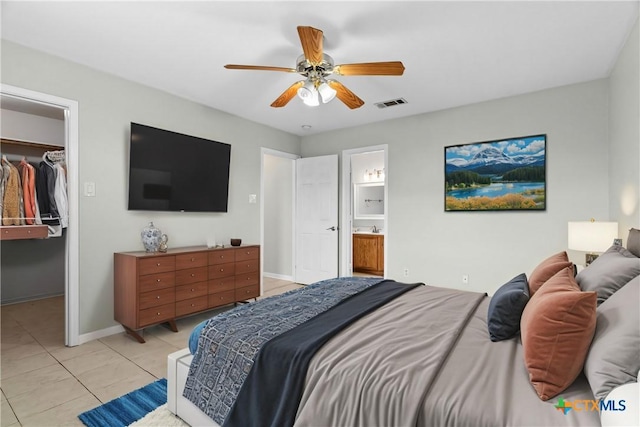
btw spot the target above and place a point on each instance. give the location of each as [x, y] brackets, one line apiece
[293, 157]
[346, 214]
[72, 252]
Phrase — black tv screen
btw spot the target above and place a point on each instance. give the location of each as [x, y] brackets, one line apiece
[169, 171]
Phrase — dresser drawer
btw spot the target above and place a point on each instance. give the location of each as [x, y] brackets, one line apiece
[222, 256]
[248, 266]
[192, 305]
[153, 282]
[191, 291]
[158, 314]
[191, 275]
[250, 252]
[197, 259]
[155, 265]
[247, 279]
[247, 292]
[221, 298]
[157, 298]
[222, 270]
[220, 285]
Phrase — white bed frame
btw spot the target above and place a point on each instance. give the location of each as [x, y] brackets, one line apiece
[178, 369]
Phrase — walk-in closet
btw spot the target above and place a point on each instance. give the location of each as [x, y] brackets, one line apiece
[34, 214]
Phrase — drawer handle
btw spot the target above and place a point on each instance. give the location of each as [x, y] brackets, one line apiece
[158, 280]
[248, 278]
[221, 270]
[248, 292]
[158, 314]
[29, 231]
[158, 264]
[193, 305]
[248, 253]
[193, 259]
[193, 275]
[221, 256]
[158, 297]
[191, 289]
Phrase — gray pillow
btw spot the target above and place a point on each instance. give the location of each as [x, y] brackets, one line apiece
[614, 355]
[609, 272]
[633, 242]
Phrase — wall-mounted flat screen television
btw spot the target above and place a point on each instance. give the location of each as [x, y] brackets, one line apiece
[169, 171]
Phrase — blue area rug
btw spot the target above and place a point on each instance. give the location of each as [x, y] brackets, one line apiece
[129, 408]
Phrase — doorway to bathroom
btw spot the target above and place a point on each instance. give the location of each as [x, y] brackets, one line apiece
[365, 236]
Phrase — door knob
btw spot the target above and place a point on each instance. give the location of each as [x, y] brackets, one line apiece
[332, 228]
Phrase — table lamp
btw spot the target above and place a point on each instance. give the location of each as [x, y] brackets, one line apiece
[591, 237]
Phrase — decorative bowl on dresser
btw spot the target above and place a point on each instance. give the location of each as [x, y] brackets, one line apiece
[154, 288]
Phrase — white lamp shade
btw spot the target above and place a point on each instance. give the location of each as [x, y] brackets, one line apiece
[590, 236]
[327, 93]
[309, 94]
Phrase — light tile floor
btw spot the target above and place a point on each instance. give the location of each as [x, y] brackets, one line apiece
[44, 383]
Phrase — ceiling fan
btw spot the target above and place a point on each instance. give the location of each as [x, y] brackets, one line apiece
[317, 66]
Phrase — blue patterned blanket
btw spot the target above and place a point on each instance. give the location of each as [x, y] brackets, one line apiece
[228, 344]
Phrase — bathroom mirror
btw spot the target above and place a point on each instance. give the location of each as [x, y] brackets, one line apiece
[369, 200]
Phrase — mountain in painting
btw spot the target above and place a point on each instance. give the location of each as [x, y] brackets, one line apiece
[491, 160]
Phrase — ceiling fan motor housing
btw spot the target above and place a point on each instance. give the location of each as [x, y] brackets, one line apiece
[322, 69]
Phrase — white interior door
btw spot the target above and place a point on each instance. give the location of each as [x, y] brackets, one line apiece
[316, 219]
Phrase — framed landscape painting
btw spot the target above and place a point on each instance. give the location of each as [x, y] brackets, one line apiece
[500, 175]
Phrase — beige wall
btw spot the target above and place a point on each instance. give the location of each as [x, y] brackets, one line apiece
[491, 247]
[107, 105]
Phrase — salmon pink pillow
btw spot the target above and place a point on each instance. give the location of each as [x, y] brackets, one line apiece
[557, 327]
[546, 269]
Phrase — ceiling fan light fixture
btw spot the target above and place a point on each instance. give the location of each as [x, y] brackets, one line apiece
[327, 93]
[309, 94]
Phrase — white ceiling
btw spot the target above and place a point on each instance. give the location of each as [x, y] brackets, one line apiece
[455, 53]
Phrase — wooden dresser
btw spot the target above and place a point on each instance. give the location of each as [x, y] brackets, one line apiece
[153, 288]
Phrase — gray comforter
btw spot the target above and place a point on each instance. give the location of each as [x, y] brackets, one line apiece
[426, 359]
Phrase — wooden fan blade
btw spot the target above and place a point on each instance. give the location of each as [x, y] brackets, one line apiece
[287, 95]
[391, 68]
[311, 39]
[349, 98]
[258, 67]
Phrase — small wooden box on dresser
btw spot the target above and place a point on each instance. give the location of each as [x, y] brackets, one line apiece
[153, 288]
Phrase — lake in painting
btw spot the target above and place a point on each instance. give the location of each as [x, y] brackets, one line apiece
[496, 175]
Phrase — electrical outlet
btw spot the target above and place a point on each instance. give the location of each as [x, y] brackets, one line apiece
[406, 272]
[465, 279]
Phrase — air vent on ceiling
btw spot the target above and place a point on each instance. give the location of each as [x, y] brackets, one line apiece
[391, 103]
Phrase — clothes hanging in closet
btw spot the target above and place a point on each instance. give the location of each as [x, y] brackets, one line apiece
[13, 205]
[27, 175]
[35, 194]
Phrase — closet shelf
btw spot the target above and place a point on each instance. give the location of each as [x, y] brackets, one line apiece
[20, 232]
[16, 142]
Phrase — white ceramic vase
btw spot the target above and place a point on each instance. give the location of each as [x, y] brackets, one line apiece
[151, 237]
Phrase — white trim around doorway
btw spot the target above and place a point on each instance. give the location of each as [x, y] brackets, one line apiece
[346, 267]
[72, 255]
[283, 154]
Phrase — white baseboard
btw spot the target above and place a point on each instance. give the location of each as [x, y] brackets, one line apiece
[278, 276]
[100, 334]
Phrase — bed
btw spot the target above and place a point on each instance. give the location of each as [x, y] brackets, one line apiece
[428, 356]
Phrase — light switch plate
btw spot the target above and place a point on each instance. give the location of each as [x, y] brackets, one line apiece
[252, 198]
[90, 189]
